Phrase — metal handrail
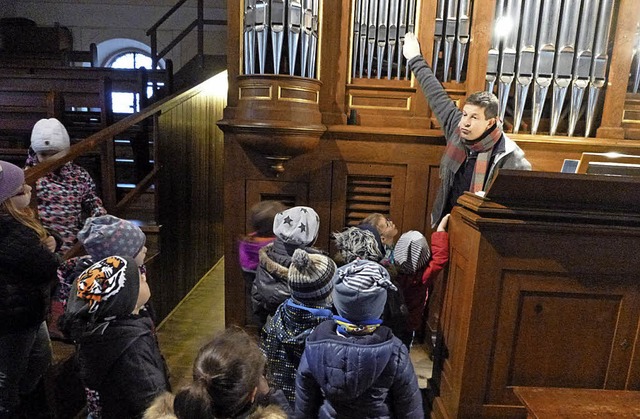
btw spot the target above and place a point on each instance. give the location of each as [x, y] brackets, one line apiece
[198, 23]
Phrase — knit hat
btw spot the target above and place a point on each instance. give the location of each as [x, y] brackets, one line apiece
[360, 290]
[412, 252]
[11, 179]
[310, 278]
[376, 234]
[107, 235]
[297, 225]
[49, 135]
[356, 242]
[110, 287]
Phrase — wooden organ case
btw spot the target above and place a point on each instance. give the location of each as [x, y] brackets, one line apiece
[349, 142]
[543, 291]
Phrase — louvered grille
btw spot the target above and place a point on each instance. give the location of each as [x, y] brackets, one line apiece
[365, 195]
[287, 200]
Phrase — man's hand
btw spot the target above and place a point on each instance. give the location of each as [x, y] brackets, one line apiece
[411, 46]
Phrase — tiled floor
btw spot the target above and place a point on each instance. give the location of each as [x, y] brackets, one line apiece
[201, 314]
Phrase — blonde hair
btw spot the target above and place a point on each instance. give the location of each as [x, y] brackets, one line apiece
[374, 219]
[24, 216]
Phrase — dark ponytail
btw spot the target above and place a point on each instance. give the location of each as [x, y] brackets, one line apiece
[226, 373]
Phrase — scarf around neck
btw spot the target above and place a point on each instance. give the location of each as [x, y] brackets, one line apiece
[455, 155]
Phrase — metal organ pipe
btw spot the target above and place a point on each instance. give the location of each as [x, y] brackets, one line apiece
[560, 44]
[526, 55]
[268, 22]
[544, 63]
[462, 36]
[494, 50]
[583, 58]
[508, 59]
[449, 35]
[564, 60]
[599, 62]
[438, 34]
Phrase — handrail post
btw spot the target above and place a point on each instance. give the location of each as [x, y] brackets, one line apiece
[201, 32]
[154, 49]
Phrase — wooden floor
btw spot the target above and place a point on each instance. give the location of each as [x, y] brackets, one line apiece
[190, 325]
[201, 314]
[193, 322]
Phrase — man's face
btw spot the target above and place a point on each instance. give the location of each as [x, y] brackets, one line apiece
[473, 123]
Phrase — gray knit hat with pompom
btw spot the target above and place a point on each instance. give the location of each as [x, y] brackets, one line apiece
[310, 278]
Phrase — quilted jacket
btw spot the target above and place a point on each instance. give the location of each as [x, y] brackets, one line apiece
[368, 376]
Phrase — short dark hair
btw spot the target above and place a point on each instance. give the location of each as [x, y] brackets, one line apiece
[262, 215]
[485, 100]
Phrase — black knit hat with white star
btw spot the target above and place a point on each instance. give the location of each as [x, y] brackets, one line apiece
[297, 225]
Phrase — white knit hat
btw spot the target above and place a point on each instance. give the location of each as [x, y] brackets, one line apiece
[297, 225]
[49, 135]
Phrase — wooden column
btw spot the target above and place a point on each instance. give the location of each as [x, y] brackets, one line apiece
[333, 60]
[621, 57]
[481, 32]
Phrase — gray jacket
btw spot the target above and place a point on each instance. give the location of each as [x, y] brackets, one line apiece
[449, 116]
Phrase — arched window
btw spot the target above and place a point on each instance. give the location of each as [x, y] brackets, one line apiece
[126, 102]
[125, 53]
[131, 59]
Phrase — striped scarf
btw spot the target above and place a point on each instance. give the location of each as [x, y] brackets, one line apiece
[456, 153]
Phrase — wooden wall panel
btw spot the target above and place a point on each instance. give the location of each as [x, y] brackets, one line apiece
[394, 127]
[191, 184]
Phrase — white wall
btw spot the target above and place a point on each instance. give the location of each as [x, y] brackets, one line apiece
[95, 21]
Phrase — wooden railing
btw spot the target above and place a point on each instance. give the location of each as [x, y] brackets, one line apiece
[98, 142]
[199, 22]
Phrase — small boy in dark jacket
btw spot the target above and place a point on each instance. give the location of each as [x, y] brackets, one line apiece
[294, 228]
[284, 335]
[117, 349]
[352, 365]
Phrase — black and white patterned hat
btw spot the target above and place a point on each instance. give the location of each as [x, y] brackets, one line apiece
[411, 252]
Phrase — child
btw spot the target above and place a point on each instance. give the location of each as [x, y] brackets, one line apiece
[353, 366]
[360, 242]
[119, 358]
[418, 267]
[388, 232]
[66, 196]
[294, 228]
[101, 236]
[283, 337]
[228, 382]
[27, 272]
[262, 215]
[363, 242]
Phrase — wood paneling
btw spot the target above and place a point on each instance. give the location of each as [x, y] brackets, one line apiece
[190, 191]
[538, 297]
[395, 130]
